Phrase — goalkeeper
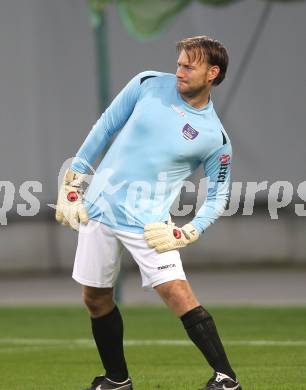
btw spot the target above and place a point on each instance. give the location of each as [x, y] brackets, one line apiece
[167, 127]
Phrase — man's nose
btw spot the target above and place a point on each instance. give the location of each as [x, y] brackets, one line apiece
[179, 74]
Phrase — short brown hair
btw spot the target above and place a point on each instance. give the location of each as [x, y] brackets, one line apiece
[207, 49]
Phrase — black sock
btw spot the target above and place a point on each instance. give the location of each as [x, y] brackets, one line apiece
[108, 334]
[202, 330]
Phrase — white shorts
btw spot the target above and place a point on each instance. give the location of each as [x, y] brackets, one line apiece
[99, 252]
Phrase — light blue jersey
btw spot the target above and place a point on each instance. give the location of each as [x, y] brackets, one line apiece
[161, 141]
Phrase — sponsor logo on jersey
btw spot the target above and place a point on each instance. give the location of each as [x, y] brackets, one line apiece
[225, 160]
[189, 132]
[166, 266]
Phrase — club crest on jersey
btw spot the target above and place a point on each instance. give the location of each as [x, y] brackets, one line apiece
[189, 132]
[225, 161]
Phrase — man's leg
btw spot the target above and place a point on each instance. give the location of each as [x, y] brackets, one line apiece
[199, 324]
[107, 329]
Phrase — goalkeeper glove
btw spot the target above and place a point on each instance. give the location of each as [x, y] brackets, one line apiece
[70, 209]
[166, 236]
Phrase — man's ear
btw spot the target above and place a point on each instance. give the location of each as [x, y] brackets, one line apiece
[213, 72]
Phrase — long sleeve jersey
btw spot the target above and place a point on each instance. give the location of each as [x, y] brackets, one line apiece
[161, 140]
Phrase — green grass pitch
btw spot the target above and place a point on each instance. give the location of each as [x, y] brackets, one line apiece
[50, 348]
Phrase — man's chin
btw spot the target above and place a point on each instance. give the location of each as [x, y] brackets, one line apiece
[182, 88]
[185, 93]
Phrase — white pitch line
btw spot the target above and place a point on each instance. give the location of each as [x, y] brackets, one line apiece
[18, 344]
[242, 343]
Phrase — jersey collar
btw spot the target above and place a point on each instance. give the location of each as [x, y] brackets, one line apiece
[194, 110]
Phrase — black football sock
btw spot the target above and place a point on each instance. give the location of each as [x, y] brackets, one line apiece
[108, 334]
[202, 330]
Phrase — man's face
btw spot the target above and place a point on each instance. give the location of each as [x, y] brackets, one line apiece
[193, 76]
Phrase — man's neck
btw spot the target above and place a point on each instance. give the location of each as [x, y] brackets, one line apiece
[199, 101]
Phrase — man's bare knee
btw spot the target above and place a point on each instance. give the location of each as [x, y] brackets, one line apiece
[99, 301]
[178, 296]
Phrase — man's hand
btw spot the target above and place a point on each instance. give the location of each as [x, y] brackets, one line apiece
[166, 236]
[70, 210]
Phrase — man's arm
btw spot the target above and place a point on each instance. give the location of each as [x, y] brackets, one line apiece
[218, 169]
[166, 236]
[111, 121]
[70, 209]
